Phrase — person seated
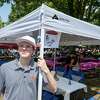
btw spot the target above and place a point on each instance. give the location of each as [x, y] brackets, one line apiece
[72, 70]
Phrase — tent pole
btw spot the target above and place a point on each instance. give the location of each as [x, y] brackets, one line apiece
[54, 67]
[41, 55]
[42, 33]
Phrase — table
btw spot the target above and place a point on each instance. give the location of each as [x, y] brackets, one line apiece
[62, 84]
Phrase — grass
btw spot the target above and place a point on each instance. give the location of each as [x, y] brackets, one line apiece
[1, 98]
[93, 83]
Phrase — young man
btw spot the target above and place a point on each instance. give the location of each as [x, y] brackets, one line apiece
[19, 77]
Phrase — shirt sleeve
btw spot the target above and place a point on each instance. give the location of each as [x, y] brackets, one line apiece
[1, 79]
[44, 78]
[45, 82]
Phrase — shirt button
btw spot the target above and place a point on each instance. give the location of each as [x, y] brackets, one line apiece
[24, 76]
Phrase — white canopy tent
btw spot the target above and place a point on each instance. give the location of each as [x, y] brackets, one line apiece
[75, 30]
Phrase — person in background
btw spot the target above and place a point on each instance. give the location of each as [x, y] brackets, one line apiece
[72, 70]
[19, 78]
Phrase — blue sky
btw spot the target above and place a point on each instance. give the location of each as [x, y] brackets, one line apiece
[5, 11]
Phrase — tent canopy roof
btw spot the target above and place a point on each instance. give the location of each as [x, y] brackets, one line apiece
[75, 31]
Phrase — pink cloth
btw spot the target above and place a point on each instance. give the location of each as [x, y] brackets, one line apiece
[89, 65]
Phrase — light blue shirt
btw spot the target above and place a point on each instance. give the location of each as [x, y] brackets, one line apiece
[19, 83]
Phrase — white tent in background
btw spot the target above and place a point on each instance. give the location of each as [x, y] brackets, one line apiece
[75, 31]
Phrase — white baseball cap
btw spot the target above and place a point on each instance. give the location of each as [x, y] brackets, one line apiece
[28, 39]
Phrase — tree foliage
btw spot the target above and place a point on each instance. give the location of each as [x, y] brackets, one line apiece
[1, 23]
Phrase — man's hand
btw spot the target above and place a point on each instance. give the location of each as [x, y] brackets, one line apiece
[42, 65]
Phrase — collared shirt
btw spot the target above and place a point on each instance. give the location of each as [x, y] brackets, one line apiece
[19, 83]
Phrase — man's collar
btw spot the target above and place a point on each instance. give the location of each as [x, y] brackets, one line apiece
[18, 66]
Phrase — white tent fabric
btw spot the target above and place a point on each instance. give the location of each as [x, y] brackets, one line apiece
[75, 30]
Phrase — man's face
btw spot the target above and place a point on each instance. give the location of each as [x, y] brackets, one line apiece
[25, 49]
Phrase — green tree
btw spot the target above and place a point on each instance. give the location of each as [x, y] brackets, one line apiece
[92, 12]
[87, 10]
[1, 23]
[96, 17]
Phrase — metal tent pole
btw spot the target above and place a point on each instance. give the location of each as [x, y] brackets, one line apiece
[42, 32]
